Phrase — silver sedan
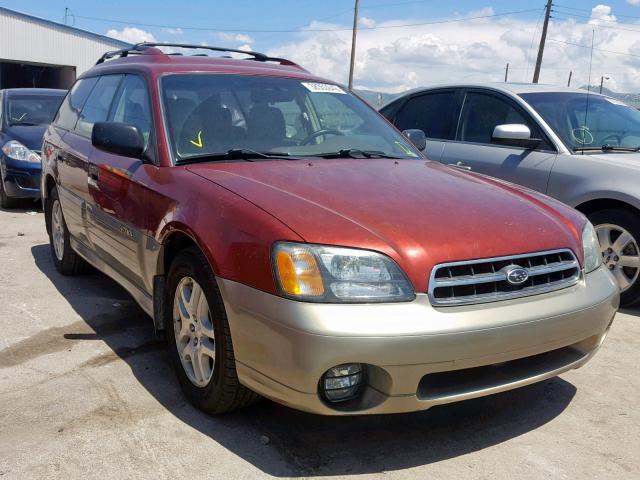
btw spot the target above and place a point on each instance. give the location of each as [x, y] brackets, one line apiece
[576, 146]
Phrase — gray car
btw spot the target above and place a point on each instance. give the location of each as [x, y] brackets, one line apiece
[579, 147]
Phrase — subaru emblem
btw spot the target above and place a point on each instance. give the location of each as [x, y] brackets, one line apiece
[515, 274]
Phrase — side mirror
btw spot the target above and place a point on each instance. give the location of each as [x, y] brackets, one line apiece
[417, 137]
[514, 134]
[119, 138]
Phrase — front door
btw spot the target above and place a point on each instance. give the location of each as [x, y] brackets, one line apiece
[116, 207]
[473, 148]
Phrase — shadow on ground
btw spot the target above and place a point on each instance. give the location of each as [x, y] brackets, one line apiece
[299, 443]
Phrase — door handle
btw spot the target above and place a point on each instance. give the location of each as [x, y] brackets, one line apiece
[461, 165]
[93, 177]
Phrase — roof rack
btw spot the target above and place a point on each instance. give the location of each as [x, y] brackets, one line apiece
[150, 48]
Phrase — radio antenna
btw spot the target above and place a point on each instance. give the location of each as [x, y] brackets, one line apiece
[586, 110]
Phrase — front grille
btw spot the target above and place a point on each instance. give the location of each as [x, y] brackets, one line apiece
[485, 280]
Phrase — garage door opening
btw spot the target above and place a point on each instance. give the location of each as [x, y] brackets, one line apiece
[33, 75]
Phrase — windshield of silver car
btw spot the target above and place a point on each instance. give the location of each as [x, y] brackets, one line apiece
[588, 121]
[213, 117]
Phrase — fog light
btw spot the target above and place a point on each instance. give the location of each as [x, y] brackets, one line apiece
[342, 382]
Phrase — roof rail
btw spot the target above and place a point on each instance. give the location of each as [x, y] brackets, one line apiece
[150, 48]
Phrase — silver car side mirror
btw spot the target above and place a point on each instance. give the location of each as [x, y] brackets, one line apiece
[511, 131]
[514, 134]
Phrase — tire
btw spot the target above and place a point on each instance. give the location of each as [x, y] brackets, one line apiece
[5, 200]
[67, 262]
[616, 221]
[219, 390]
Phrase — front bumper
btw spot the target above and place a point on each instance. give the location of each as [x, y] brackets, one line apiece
[417, 356]
[20, 179]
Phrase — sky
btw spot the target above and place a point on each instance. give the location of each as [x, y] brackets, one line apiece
[401, 44]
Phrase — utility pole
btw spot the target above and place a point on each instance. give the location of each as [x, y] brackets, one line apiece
[506, 73]
[353, 44]
[66, 14]
[569, 81]
[543, 39]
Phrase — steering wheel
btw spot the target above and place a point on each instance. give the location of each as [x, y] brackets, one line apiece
[618, 138]
[319, 133]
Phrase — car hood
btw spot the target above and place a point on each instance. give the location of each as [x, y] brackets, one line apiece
[418, 212]
[621, 159]
[29, 136]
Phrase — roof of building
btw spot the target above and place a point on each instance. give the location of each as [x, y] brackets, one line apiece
[60, 26]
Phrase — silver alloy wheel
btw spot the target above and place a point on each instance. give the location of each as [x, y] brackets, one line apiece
[620, 253]
[57, 230]
[195, 337]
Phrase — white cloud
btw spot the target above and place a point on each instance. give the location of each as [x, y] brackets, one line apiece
[633, 2]
[601, 14]
[395, 59]
[173, 31]
[234, 37]
[370, 22]
[131, 35]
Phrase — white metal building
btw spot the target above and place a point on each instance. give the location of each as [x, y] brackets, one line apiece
[40, 53]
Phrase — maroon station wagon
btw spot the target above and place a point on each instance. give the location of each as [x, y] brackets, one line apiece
[292, 244]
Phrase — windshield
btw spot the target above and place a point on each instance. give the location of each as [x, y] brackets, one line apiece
[608, 122]
[209, 114]
[32, 110]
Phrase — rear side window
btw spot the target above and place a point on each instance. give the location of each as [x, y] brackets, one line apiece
[432, 113]
[69, 111]
[132, 105]
[96, 109]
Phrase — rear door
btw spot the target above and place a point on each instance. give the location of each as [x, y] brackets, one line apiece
[473, 149]
[117, 195]
[69, 154]
[435, 113]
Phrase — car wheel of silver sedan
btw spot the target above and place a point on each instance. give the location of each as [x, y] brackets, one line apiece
[199, 337]
[618, 234]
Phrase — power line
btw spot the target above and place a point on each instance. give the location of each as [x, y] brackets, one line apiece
[555, 40]
[601, 27]
[590, 17]
[303, 29]
[590, 11]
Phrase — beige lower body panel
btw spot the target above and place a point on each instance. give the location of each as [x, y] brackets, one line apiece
[283, 347]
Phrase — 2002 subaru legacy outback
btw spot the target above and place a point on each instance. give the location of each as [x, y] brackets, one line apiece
[294, 245]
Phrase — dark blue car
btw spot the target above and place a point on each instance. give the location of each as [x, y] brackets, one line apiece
[25, 114]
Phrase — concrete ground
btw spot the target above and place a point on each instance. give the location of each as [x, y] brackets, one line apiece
[86, 391]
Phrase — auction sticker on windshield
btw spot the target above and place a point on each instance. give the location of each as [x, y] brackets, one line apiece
[323, 87]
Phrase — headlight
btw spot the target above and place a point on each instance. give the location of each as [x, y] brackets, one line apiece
[17, 151]
[591, 248]
[317, 273]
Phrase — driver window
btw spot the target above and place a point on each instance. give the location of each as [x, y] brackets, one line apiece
[482, 112]
[132, 105]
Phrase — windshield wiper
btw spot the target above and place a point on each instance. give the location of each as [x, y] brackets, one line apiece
[353, 153]
[606, 148]
[233, 154]
[26, 124]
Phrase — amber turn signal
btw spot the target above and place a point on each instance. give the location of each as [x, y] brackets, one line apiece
[298, 271]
